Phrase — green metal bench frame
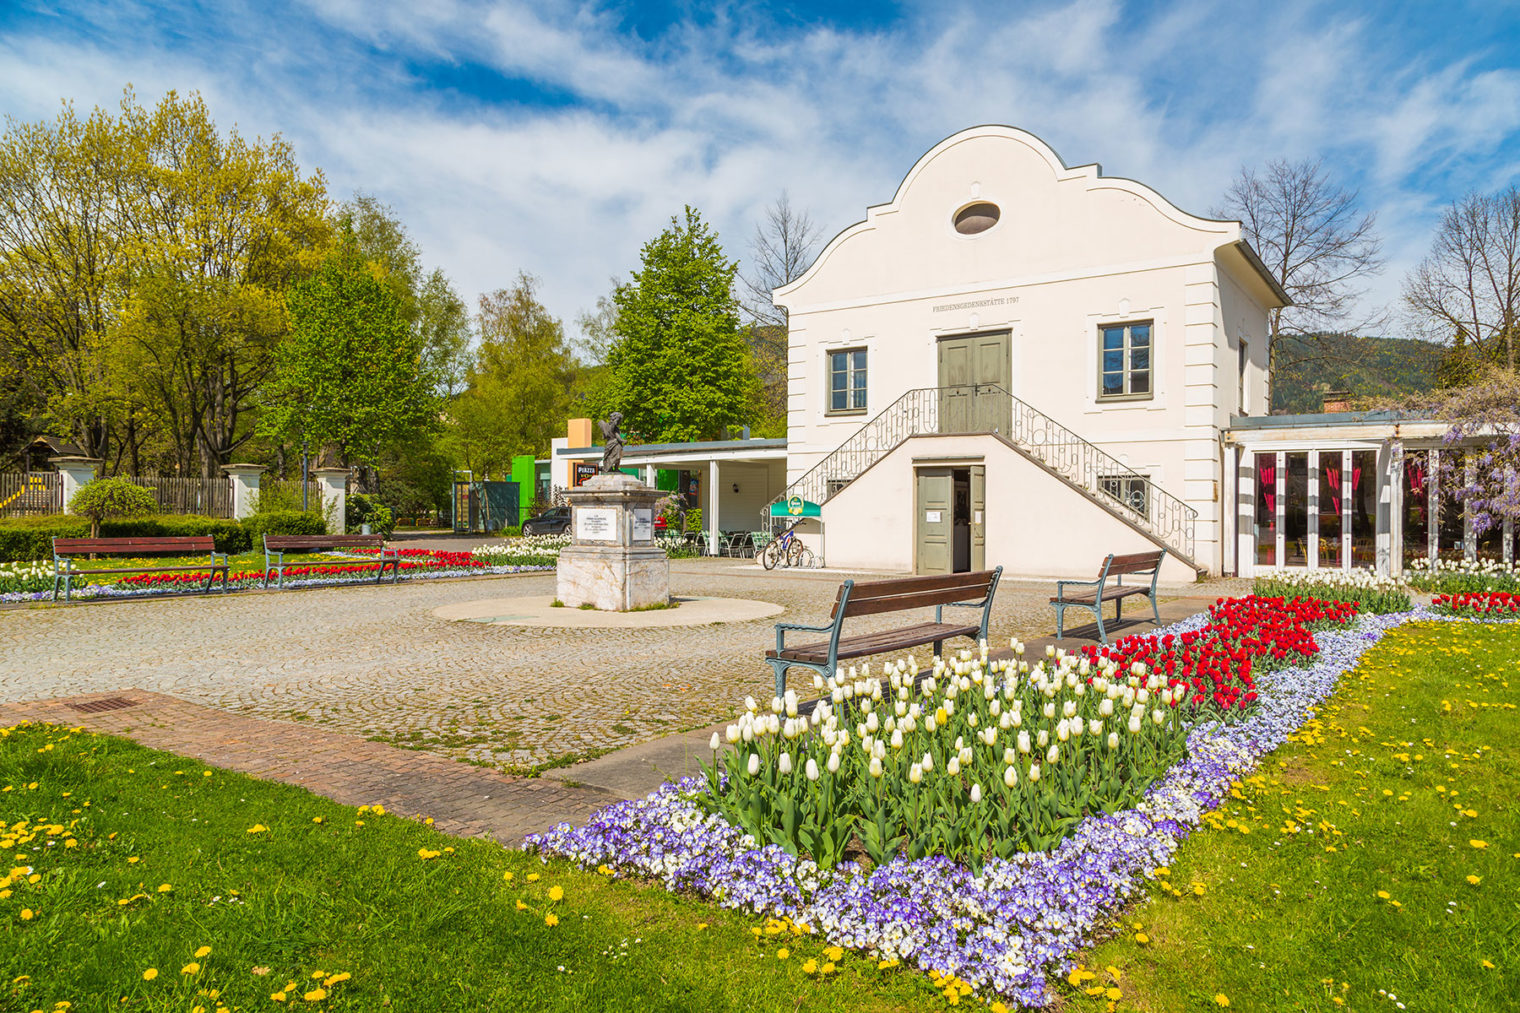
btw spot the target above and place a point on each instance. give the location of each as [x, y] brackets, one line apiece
[1114, 566]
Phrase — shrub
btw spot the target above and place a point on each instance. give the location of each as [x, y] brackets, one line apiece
[111, 497]
[276, 497]
[23, 539]
[362, 509]
[282, 522]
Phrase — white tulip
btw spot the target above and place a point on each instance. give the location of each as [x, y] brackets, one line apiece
[1134, 726]
[954, 766]
[875, 767]
[1106, 707]
[1159, 716]
[871, 723]
[1010, 777]
[749, 733]
[928, 761]
[1063, 730]
[1050, 712]
[811, 770]
[776, 705]
[784, 764]
[915, 773]
[833, 763]
[1113, 740]
[1043, 739]
[749, 703]
[754, 764]
[929, 724]
[817, 681]
[1034, 772]
[971, 719]
[1008, 755]
[1137, 669]
[976, 793]
[732, 733]
[1053, 755]
[1094, 727]
[713, 742]
[897, 739]
[1023, 742]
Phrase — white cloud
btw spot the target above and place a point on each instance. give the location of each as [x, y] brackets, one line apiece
[727, 113]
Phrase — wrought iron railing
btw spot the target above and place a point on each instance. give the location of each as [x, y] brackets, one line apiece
[987, 408]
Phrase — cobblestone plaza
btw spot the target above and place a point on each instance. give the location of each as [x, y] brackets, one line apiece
[375, 661]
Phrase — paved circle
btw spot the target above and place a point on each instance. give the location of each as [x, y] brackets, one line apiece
[540, 611]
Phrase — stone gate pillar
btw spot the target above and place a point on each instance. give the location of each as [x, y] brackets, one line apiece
[245, 486]
[74, 472]
[333, 482]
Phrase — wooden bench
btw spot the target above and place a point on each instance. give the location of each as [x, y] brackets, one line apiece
[1102, 591]
[968, 590]
[275, 547]
[65, 549]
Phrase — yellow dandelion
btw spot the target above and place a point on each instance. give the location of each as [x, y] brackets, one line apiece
[1480, 845]
[165, 888]
[277, 996]
[521, 906]
[1383, 895]
[701, 926]
[833, 952]
[150, 974]
[1475, 880]
[202, 952]
[191, 968]
[27, 914]
[425, 854]
[1489, 964]
[551, 919]
[827, 968]
[316, 819]
[556, 893]
[809, 966]
[507, 876]
[783, 953]
[1142, 938]
[315, 995]
[533, 877]
[1221, 999]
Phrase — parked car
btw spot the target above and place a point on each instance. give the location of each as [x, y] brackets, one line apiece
[554, 521]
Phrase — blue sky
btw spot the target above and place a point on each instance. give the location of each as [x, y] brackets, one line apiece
[557, 138]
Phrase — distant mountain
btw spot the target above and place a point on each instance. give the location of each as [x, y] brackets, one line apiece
[1365, 367]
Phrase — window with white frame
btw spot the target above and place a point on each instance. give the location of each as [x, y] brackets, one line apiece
[847, 381]
[1124, 361]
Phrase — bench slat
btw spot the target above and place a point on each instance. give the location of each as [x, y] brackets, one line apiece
[876, 643]
[878, 596]
[908, 585]
[321, 541]
[149, 569]
[167, 543]
[1136, 562]
[1109, 594]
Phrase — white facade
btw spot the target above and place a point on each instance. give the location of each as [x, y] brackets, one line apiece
[1071, 261]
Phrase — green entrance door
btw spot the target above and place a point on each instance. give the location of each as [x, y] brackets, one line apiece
[978, 517]
[971, 365]
[934, 520]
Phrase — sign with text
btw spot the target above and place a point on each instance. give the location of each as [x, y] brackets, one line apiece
[584, 473]
[643, 525]
[596, 524]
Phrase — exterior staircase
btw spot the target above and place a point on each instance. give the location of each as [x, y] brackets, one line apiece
[987, 409]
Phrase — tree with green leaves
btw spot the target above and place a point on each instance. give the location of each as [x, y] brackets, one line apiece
[680, 369]
[350, 375]
[517, 391]
[111, 497]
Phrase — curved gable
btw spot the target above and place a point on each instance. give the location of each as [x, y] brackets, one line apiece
[1053, 219]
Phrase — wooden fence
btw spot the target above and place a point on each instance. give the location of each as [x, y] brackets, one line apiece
[30, 493]
[209, 497]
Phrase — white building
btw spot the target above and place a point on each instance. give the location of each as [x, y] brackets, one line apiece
[1018, 362]
[1023, 363]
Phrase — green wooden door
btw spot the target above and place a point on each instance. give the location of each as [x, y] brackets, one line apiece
[971, 366]
[934, 518]
[978, 517]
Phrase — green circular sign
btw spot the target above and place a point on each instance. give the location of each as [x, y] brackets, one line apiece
[794, 506]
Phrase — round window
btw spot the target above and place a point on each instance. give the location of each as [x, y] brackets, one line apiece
[978, 217]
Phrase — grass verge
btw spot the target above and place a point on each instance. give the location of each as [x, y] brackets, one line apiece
[1372, 864]
[140, 880]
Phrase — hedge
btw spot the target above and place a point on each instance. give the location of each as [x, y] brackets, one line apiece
[283, 522]
[23, 539]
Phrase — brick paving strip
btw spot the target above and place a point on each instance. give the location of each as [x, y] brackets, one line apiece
[462, 799]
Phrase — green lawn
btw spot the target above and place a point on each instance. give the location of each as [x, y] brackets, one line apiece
[1377, 853]
[170, 858]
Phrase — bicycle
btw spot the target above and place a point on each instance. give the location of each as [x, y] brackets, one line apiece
[787, 550]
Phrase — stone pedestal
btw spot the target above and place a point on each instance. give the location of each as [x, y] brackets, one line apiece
[612, 562]
[245, 487]
[333, 484]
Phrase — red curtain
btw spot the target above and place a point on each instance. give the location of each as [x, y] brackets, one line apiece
[1333, 477]
[1266, 474]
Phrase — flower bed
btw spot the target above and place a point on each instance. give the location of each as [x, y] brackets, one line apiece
[1371, 591]
[1452, 576]
[1481, 604]
[34, 582]
[1005, 931]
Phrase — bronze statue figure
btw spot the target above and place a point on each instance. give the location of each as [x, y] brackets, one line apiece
[612, 444]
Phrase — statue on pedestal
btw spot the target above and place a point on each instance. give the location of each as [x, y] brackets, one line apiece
[612, 444]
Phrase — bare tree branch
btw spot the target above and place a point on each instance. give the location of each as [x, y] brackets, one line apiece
[1318, 244]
